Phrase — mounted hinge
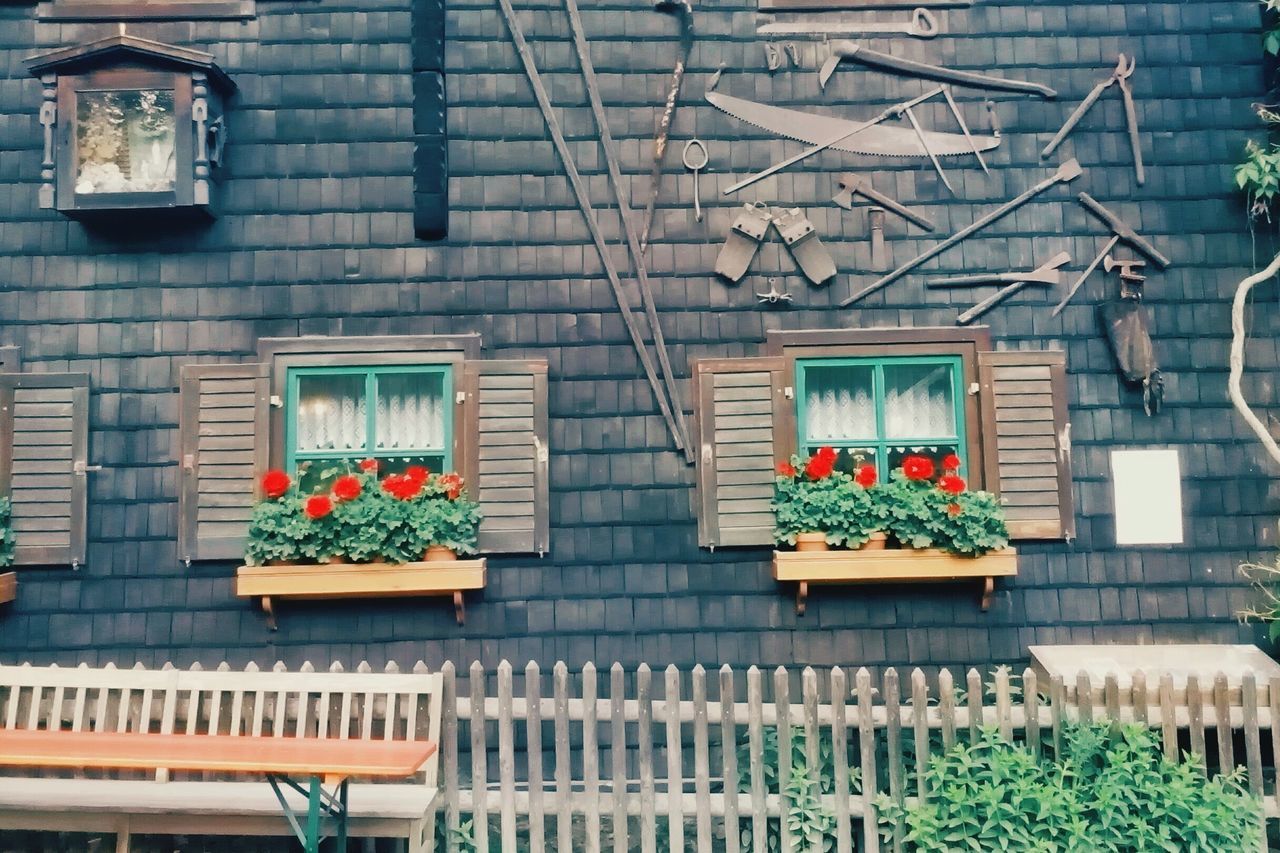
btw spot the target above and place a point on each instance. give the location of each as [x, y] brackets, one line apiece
[540, 451]
[460, 397]
[974, 388]
[186, 562]
[80, 468]
[277, 401]
[789, 392]
[189, 462]
[75, 564]
[706, 454]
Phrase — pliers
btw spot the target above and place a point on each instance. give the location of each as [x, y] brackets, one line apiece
[1123, 71]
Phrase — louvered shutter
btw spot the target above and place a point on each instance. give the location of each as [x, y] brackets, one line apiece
[740, 413]
[223, 441]
[1024, 396]
[44, 449]
[507, 457]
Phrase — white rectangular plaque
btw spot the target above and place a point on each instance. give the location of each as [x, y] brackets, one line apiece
[1147, 496]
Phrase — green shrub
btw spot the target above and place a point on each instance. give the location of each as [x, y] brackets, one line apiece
[1111, 791]
[811, 497]
[7, 542]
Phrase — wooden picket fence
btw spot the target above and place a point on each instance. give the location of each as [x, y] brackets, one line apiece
[674, 780]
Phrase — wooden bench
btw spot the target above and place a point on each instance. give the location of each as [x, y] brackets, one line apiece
[361, 705]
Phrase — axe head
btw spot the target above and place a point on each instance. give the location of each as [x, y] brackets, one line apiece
[849, 184]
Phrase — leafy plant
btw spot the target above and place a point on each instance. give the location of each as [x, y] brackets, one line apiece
[811, 496]
[280, 532]
[1112, 791]
[1259, 175]
[441, 515]
[1266, 582]
[7, 542]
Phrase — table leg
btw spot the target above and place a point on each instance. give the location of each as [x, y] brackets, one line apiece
[313, 816]
[341, 817]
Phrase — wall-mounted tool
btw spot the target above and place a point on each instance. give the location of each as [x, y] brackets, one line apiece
[854, 5]
[1068, 171]
[745, 234]
[1048, 274]
[773, 296]
[772, 57]
[964, 127]
[1130, 279]
[694, 158]
[1119, 231]
[1127, 330]
[879, 252]
[841, 50]
[801, 239]
[815, 128]
[1120, 76]
[923, 25]
[924, 143]
[851, 185]
[684, 12]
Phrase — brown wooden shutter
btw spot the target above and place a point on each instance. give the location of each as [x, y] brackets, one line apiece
[740, 411]
[506, 453]
[223, 446]
[44, 454]
[1027, 440]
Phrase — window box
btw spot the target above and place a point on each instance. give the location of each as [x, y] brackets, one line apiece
[8, 587]
[360, 580]
[890, 566]
[131, 124]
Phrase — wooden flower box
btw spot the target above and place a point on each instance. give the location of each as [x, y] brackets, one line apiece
[890, 566]
[360, 580]
[8, 587]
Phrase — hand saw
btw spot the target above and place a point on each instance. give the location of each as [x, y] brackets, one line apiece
[816, 129]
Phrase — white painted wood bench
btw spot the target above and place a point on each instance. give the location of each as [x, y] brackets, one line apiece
[361, 705]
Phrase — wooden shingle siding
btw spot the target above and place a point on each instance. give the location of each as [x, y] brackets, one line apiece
[44, 444]
[1030, 462]
[736, 402]
[507, 464]
[224, 451]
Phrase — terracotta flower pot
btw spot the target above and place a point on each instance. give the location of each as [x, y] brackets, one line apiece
[336, 559]
[811, 542]
[878, 542]
[439, 553]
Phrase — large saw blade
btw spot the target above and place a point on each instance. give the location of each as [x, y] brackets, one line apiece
[816, 129]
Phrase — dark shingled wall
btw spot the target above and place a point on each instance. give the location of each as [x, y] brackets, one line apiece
[318, 238]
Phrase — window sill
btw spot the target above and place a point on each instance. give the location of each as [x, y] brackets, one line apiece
[360, 580]
[890, 566]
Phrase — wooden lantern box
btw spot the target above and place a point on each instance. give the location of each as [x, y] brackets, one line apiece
[904, 565]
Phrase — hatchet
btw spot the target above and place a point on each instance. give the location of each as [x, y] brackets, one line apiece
[851, 185]
[1045, 274]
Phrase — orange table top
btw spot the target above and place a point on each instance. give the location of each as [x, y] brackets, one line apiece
[327, 757]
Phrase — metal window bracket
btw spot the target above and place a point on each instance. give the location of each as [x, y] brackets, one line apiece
[460, 397]
[81, 468]
[974, 388]
[277, 401]
[789, 392]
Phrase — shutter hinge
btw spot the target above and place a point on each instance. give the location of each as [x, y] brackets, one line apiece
[189, 462]
[540, 450]
[1064, 444]
[974, 388]
[789, 392]
[80, 468]
[460, 398]
[706, 454]
[277, 402]
[75, 564]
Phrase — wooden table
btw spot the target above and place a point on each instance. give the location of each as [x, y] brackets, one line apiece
[323, 761]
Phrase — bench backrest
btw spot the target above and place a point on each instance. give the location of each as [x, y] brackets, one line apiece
[360, 705]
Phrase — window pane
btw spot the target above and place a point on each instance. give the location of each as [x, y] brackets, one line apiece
[125, 142]
[839, 404]
[331, 413]
[317, 475]
[410, 412]
[848, 459]
[934, 452]
[919, 401]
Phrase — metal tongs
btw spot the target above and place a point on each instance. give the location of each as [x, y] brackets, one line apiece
[1123, 71]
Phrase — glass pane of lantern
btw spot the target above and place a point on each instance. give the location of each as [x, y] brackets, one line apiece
[332, 414]
[125, 141]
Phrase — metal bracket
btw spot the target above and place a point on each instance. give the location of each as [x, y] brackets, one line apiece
[80, 468]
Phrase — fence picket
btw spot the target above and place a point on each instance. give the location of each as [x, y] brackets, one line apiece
[618, 755]
[564, 771]
[1226, 747]
[1195, 711]
[1139, 697]
[675, 773]
[920, 723]
[947, 707]
[1004, 704]
[591, 756]
[729, 756]
[1057, 702]
[1031, 709]
[479, 758]
[893, 744]
[701, 760]
[840, 759]
[755, 745]
[533, 750]
[1253, 748]
[1111, 695]
[506, 759]
[648, 815]
[1168, 724]
[809, 698]
[782, 704]
[1084, 697]
[867, 752]
[973, 688]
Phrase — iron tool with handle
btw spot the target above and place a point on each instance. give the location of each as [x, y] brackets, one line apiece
[1120, 230]
[694, 158]
[851, 185]
[1047, 274]
[922, 25]
[1119, 76]
[849, 50]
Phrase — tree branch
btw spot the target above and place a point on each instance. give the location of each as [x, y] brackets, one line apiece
[1237, 356]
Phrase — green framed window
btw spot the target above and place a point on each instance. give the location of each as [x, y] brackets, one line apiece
[337, 416]
[880, 410]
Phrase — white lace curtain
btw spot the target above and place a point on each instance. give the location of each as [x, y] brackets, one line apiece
[333, 413]
[840, 403]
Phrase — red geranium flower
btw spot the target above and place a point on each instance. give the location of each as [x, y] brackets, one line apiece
[917, 467]
[951, 462]
[827, 453]
[275, 483]
[318, 506]
[786, 469]
[866, 476]
[402, 486]
[954, 509]
[819, 466]
[369, 466]
[951, 484]
[346, 487]
[452, 485]
[416, 473]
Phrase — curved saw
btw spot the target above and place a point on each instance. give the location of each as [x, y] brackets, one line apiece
[817, 129]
